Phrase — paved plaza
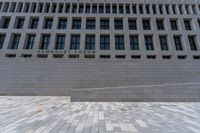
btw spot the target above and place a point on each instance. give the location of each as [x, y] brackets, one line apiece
[59, 115]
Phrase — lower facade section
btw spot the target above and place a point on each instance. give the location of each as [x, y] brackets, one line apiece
[159, 79]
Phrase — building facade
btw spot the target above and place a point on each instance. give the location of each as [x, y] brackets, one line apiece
[125, 43]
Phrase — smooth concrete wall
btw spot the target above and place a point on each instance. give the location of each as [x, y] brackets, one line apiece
[19, 76]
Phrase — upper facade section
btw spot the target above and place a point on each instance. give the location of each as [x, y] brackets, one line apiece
[102, 6]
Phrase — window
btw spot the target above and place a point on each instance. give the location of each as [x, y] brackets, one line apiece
[134, 9]
[90, 24]
[149, 42]
[154, 9]
[147, 9]
[127, 9]
[6, 22]
[45, 42]
[74, 8]
[132, 24]
[166, 57]
[80, 8]
[104, 24]
[146, 24]
[2, 39]
[114, 9]
[101, 9]
[187, 25]
[90, 42]
[120, 56]
[177, 41]
[94, 9]
[87, 9]
[34, 23]
[163, 42]
[180, 9]
[167, 9]
[15, 42]
[107, 8]
[76, 24]
[121, 10]
[182, 57]
[48, 23]
[104, 42]
[151, 57]
[174, 24]
[192, 43]
[104, 56]
[161, 9]
[60, 42]
[19, 23]
[160, 25]
[134, 44]
[62, 24]
[75, 42]
[141, 9]
[30, 42]
[118, 24]
[119, 42]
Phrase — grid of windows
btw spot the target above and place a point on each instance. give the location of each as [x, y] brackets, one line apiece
[118, 24]
[76, 24]
[90, 24]
[104, 24]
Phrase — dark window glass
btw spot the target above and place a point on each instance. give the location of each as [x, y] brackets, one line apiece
[74, 8]
[87, 9]
[163, 42]
[2, 39]
[48, 23]
[127, 9]
[104, 42]
[81, 9]
[174, 25]
[134, 44]
[60, 42]
[94, 9]
[75, 42]
[119, 24]
[90, 24]
[67, 8]
[6, 23]
[160, 24]
[62, 24]
[154, 9]
[177, 41]
[187, 25]
[149, 42]
[192, 43]
[104, 24]
[15, 42]
[76, 24]
[30, 42]
[45, 42]
[146, 24]
[90, 42]
[101, 9]
[34, 23]
[160, 9]
[119, 42]
[108, 9]
[114, 9]
[134, 9]
[121, 9]
[132, 24]
[20, 23]
[141, 9]
[147, 9]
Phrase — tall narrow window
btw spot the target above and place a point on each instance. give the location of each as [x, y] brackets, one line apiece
[80, 8]
[90, 42]
[160, 24]
[149, 42]
[48, 23]
[132, 24]
[174, 24]
[60, 42]
[119, 42]
[62, 24]
[121, 9]
[6, 22]
[107, 8]
[141, 9]
[101, 9]
[30, 42]
[177, 41]
[192, 43]
[146, 24]
[147, 9]
[74, 8]
[2, 39]
[45, 42]
[87, 9]
[15, 42]
[187, 25]
[75, 42]
[90, 24]
[163, 42]
[134, 43]
[134, 9]
[104, 24]
[118, 24]
[34, 23]
[94, 9]
[114, 9]
[104, 42]
[127, 9]
[76, 24]
[20, 23]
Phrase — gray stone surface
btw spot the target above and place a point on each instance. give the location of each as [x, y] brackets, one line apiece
[59, 115]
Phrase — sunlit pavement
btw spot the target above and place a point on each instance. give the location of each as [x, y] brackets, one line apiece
[59, 115]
